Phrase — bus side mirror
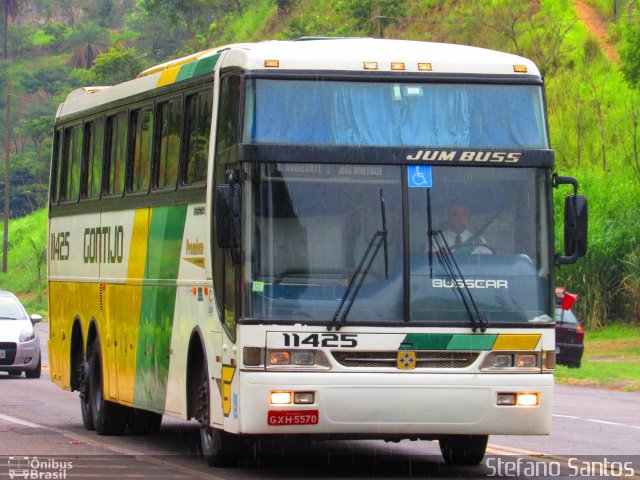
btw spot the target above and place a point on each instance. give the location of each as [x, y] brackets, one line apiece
[575, 223]
[228, 216]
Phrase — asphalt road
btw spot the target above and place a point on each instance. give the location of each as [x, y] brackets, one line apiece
[596, 434]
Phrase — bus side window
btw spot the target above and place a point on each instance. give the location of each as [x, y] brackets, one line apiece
[72, 157]
[92, 159]
[198, 131]
[96, 155]
[116, 149]
[228, 115]
[167, 144]
[56, 168]
[141, 126]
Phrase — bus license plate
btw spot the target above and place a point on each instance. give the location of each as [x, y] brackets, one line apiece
[293, 417]
[3, 354]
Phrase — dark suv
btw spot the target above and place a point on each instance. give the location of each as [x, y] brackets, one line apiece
[569, 331]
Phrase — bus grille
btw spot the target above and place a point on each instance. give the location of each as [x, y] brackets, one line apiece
[435, 359]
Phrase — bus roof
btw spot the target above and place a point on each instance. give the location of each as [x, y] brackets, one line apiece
[314, 54]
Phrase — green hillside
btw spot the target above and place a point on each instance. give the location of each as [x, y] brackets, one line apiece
[593, 104]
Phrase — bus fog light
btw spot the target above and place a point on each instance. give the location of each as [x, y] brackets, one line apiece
[506, 399]
[252, 356]
[280, 398]
[279, 358]
[303, 357]
[527, 361]
[527, 400]
[303, 397]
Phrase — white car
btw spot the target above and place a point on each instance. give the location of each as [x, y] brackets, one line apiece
[19, 345]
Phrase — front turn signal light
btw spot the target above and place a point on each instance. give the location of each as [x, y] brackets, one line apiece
[280, 398]
[527, 400]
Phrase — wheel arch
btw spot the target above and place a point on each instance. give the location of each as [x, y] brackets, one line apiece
[76, 352]
[196, 360]
[92, 335]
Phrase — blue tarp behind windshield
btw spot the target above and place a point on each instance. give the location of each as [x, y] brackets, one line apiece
[384, 114]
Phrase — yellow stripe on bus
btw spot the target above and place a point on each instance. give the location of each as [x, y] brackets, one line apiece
[168, 76]
[516, 342]
[129, 299]
[138, 250]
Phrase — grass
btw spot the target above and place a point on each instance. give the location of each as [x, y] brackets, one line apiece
[611, 360]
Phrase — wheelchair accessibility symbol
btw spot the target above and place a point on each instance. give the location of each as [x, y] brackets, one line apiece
[419, 176]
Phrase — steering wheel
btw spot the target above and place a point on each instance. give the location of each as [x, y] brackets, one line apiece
[473, 246]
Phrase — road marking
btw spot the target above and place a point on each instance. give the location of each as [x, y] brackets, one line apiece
[24, 423]
[513, 451]
[593, 420]
[119, 450]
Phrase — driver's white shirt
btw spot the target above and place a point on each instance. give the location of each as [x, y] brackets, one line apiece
[465, 236]
[450, 237]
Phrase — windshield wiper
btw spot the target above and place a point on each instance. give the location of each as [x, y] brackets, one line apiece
[378, 240]
[451, 268]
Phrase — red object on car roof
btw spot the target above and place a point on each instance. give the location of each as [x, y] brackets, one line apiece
[565, 299]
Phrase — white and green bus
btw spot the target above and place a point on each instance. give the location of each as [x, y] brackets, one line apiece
[257, 237]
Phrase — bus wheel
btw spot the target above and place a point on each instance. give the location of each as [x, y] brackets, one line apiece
[463, 449]
[143, 422]
[108, 418]
[217, 445]
[84, 374]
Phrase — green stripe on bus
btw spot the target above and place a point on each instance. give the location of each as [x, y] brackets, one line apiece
[447, 341]
[417, 341]
[206, 65]
[472, 342]
[158, 305]
[197, 67]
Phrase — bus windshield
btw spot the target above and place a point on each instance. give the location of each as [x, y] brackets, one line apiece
[323, 112]
[309, 227]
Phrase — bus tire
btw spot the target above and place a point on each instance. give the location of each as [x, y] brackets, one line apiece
[85, 402]
[143, 422]
[108, 418]
[463, 449]
[218, 447]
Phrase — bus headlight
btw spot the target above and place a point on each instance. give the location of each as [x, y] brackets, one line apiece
[297, 359]
[256, 358]
[512, 362]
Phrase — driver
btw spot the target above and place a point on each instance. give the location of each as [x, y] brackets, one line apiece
[457, 234]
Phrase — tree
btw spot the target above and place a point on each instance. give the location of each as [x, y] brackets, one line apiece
[87, 41]
[195, 13]
[371, 17]
[509, 18]
[596, 90]
[57, 31]
[630, 54]
[547, 47]
[45, 81]
[285, 7]
[158, 35]
[37, 130]
[20, 40]
[634, 110]
[118, 65]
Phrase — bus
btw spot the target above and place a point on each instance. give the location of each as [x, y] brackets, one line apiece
[256, 237]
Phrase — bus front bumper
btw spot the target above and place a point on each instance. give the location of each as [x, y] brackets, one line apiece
[388, 405]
